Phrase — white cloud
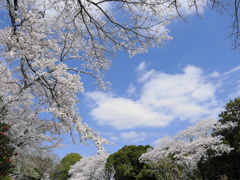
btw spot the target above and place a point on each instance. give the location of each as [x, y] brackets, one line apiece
[141, 66]
[131, 89]
[215, 74]
[231, 79]
[187, 96]
[123, 113]
[236, 69]
[163, 98]
[134, 137]
[114, 138]
[146, 75]
[236, 93]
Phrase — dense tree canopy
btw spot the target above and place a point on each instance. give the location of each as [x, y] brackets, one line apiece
[190, 147]
[229, 164]
[61, 170]
[125, 163]
[207, 150]
[232, 115]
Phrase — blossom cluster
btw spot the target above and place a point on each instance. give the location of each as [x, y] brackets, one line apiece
[190, 146]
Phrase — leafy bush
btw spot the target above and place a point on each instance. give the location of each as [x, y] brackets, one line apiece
[6, 151]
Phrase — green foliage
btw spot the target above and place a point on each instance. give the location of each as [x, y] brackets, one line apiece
[61, 170]
[5, 178]
[232, 137]
[227, 165]
[232, 114]
[215, 168]
[6, 151]
[125, 164]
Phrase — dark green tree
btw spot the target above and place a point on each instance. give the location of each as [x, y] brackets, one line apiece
[227, 165]
[6, 151]
[125, 164]
[61, 170]
[232, 114]
[6, 178]
[232, 137]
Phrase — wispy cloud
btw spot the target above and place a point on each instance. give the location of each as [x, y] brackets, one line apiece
[163, 98]
[131, 89]
[133, 136]
[236, 69]
[114, 138]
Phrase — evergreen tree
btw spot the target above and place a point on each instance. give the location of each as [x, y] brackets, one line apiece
[230, 163]
[61, 170]
[126, 165]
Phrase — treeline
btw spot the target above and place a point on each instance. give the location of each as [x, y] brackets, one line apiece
[208, 150]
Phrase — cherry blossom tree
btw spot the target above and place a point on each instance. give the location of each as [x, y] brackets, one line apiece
[48, 46]
[188, 147]
[35, 166]
[90, 168]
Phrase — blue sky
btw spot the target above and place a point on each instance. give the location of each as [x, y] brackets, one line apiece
[163, 91]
